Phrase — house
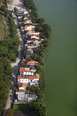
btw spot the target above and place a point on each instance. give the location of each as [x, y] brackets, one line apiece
[35, 78]
[32, 63]
[22, 13]
[33, 44]
[22, 79]
[28, 78]
[25, 71]
[28, 21]
[34, 37]
[22, 86]
[27, 97]
[29, 27]
[32, 33]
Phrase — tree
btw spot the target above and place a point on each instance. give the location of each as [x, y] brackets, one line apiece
[3, 51]
[24, 51]
[12, 57]
[40, 20]
[15, 9]
[5, 78]
[39, 28]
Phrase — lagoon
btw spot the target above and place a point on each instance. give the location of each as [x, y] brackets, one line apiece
[61, 62]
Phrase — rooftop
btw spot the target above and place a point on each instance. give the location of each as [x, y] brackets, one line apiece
[22, 85]
[23, 69]
[29, 26]
[34, 76]
[32, 63]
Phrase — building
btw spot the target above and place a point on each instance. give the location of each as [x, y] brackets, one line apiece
[22, 79]
[34, 37]
[25, 71]
[28, 79]
[32, 63]
[22, 86]
[28, 21]
[29, 27]
[32, 33]
[35, 78]
[22, 13]
[32, 45]
[27, 97]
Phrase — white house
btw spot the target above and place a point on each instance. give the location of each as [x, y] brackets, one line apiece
[22, 79]
[25, 71]
[27, 97]
[34, 37]
[30, 33]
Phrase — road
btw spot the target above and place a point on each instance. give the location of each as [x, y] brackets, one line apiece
[16, 65]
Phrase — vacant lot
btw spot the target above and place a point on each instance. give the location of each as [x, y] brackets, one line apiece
[3, 31]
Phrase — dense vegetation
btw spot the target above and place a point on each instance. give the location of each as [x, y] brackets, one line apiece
[8, 53]
[9, 47]
[36, 108]
[5, 81]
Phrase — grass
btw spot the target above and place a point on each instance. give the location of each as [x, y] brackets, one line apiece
[3, 30]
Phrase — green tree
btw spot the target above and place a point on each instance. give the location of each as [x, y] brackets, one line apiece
[40, 20]
[15, 9]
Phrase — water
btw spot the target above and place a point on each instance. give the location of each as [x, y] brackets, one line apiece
[61, 70]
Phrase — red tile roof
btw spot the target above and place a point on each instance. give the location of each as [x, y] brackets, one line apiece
[22, 85]
[29, 26]
[32, 63]
[30, 31]
[35, 76]
[19, 77]
[22, 69]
